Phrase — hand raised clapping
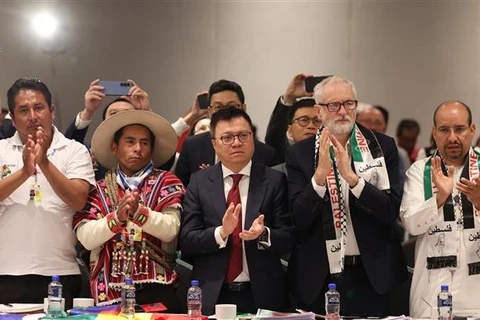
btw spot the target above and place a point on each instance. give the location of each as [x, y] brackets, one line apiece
[443, 183]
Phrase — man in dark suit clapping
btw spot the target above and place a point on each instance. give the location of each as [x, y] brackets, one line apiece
[345, 197]
[235, 223]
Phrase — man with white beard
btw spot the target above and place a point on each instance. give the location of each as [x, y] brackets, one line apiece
[345, 197]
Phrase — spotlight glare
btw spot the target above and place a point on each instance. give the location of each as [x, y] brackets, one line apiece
[45, 25]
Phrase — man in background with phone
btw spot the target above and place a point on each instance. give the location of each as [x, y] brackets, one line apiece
[294, 117]
[197, 151]
[136, 99]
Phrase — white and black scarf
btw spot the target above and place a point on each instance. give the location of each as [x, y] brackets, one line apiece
[369, 163]
[460, 219]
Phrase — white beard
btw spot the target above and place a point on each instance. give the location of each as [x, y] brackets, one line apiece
[335, 128]
[339, 129]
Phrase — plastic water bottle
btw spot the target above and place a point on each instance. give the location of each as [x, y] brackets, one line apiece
[332, 302]
[445, 304]
[128, 299]
[194, 301]
[54, 308]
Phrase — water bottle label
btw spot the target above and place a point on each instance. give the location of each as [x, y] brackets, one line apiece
[333, 300]
[444, 303]
[54, 291]
[193, 296]
[130, 295]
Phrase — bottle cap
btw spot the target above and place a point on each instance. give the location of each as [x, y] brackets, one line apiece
[55, 278]
[128, 281]
[444, 287]
[332, 286]
[194, 282]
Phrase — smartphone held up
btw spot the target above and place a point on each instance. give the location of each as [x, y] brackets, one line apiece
[115, 88]
[203, 100]
[311, 82]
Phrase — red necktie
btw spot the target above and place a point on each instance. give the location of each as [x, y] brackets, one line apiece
[235, 258]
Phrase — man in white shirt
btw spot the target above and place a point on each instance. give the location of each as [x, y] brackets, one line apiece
[235, 223]
[439, 205]
[45, 178]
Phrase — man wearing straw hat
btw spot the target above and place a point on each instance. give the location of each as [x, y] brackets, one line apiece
[132, 220]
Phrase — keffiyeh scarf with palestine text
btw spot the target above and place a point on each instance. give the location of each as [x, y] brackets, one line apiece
[369, 164]
[460, 219]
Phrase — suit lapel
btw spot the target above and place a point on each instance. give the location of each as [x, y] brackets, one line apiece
[215, 187]
[208, 151]
[256, 193]
[309, 156]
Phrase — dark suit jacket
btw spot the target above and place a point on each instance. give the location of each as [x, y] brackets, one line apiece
[198, 149]
[76, 134]
[373, 217]
[7, 129]
[277, 128]
[203, 209]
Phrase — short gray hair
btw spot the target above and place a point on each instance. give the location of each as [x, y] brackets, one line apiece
[363, 107]
[318, 90]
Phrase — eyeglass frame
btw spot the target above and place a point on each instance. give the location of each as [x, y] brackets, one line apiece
[312, 119]
[233, 136]
[341, 104]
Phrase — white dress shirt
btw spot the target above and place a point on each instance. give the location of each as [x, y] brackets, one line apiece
[243, 185]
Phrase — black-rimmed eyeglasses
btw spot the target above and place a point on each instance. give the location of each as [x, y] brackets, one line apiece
[304, 121]
[336, 105]
[243, 137]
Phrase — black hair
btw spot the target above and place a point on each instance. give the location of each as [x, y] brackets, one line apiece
[457, 101]
[384, 112]
[226, 85]
[112, 102]
[27, 84]
[227, 114]
[302, 103]
[119, 133]
[407, 124]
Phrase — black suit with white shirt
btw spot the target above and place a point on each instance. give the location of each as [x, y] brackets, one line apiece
[204, 206]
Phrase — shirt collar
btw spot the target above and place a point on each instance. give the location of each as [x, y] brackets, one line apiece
[245, 171]
[58, 140]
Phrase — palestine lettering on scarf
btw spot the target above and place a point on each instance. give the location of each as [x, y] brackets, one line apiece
[474, 237]
[367, 166]
[362, 142]
[436, 229]
[336, 248]
[473, 165]
[335, 200]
